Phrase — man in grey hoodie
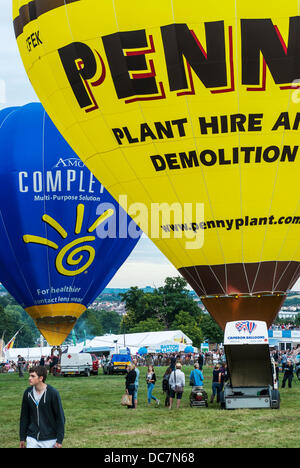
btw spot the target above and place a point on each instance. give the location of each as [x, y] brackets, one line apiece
[42, 417]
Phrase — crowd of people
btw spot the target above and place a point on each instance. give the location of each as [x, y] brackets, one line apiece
[284, 355]
[22, 365]
[174, 381]
[173, 385]
[286, 362]
[284, 326]
[186, 359]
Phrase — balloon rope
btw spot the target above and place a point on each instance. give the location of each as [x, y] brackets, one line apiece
[44, 201]
[5, 228]
[72, 40]
[149, 196]
[15, 256]
[286, 268]
[207, 193]
[294, 277]
[137, 178]
[280, 249]
[239, 145]
[271, 203]
[296, 274]
[7, 116]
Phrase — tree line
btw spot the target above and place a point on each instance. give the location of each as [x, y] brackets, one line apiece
[169, 307]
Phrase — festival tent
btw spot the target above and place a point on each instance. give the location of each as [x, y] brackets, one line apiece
[35, 354]
[154, 342]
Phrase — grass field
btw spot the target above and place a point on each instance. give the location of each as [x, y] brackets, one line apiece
[95, 418]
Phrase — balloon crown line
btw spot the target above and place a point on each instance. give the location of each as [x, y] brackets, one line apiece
[244, 295]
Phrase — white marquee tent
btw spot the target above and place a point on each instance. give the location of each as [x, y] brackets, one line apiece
[35, 354]
[154, 342]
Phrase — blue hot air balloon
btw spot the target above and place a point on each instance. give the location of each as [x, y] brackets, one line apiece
[62, 235]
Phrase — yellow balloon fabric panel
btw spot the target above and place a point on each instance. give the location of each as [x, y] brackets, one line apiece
[189, 105]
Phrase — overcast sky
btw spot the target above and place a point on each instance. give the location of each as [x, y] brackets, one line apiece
[146, 266]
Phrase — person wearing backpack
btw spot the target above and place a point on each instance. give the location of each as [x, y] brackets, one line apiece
[130, 383]
[166, 386]
[177, 383]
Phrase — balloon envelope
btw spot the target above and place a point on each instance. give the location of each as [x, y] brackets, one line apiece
[190, 106]
[59, 227]
[142, 351]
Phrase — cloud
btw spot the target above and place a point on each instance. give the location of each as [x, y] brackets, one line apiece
[146, 266]
[18, 89]
[142, 274]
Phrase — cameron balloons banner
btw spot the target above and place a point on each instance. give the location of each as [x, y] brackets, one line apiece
[59, 227]
[175, 102]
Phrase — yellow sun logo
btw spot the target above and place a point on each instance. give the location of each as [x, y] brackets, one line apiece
[70, 250]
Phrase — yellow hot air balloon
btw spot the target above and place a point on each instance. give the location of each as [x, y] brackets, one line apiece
[183, 103]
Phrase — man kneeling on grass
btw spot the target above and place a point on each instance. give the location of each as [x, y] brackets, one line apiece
[42, 417]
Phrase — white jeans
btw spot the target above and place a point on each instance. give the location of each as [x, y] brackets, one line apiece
[33, 443]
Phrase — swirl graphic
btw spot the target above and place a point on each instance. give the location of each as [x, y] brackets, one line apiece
[71, 256]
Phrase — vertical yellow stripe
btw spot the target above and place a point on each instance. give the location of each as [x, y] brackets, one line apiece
[107, 214]
[49, 220]
[79, 218]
